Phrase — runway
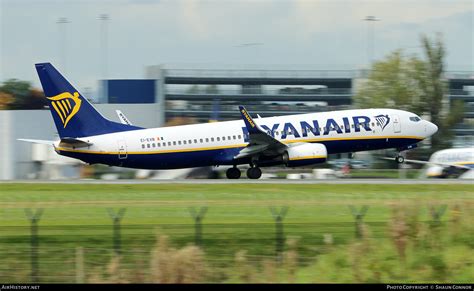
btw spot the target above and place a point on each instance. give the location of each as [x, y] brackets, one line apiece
[246, 181]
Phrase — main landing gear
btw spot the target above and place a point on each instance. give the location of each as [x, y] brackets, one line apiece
[233, 173]
[252, 173]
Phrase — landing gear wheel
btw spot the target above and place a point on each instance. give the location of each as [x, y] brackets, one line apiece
[233, 173]
[254, 173]
[399, 159]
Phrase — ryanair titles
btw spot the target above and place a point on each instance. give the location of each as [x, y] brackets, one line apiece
[303, 128]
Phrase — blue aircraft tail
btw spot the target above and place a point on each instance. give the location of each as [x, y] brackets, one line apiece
[73, 115]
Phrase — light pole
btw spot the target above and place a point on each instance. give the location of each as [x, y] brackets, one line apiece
[370, 37]
[103, 43]
[103, 18]
[62, 21]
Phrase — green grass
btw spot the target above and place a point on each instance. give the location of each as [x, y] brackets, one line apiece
[384, 174]
[238, 218]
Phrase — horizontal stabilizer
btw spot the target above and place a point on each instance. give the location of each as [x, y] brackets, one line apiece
[38, 141]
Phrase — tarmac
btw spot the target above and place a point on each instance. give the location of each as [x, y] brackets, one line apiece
[247, 181]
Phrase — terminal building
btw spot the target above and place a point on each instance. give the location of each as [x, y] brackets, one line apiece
[201, 95]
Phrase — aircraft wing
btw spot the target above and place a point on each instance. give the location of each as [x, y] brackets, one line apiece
[259, 140]
[444, 165]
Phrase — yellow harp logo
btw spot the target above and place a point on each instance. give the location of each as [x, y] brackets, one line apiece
[66, 105]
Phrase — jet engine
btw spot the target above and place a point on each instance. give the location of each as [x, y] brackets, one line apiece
[305, 154]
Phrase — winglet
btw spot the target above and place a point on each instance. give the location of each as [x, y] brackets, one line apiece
[249, 123]
[123, 118]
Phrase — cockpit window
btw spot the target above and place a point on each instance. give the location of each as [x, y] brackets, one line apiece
[415, 118]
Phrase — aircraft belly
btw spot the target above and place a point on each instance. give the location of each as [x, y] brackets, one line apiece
[158, 161]
[345, 146]
[190, 159]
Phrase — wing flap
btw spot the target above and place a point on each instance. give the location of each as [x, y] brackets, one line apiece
[250, 151]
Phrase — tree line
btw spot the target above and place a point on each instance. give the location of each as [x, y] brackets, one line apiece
[18, 95]
[415, 84]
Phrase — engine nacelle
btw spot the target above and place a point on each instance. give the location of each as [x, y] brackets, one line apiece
[305, 154]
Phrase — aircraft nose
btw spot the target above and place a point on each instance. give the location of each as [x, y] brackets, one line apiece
[430, 128]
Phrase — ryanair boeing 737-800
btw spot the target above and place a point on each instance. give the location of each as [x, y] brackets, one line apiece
[292, 140]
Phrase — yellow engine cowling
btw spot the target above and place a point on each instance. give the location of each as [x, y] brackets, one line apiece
[305, 154]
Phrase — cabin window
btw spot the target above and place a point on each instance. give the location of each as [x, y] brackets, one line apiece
[195, 141]
[212, 139]
[148, 145]
[207, 139]
[184, 142]
[276, 132]
[169, 143]
[190, 141]
[234, 137]
[223, 138]
[218, 139]
[229, 137]
[143, 146]
[239, 136]
[158, 144]
[153, 145]
[352, 125]
[342, 126]
[201, 140]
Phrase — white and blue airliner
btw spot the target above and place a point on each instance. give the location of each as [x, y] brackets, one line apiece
[291, 140]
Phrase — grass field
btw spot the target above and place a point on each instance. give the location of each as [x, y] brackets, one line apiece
[400, 240]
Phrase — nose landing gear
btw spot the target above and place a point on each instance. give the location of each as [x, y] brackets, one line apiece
[399, 159]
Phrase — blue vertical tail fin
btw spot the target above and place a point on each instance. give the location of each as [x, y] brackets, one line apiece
[73, 115]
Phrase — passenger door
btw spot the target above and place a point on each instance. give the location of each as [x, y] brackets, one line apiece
[397, 127]
[122, 149]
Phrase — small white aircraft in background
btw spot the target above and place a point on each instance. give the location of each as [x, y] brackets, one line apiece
[449, 163]
[292, 140]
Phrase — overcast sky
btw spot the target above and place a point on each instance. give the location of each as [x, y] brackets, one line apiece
[318, 34]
